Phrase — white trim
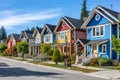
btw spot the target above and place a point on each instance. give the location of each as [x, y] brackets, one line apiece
[70, 22]
[103, 42]
[109, 14]
[63, 31]
[61, 20]
[110, 41]
[45, 27]
[105, 48]
[88, 19]
[79, 41]
[99, 26]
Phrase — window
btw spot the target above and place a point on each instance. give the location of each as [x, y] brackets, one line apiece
[63, 24]
[47, 38]
[101, 30]
[97, 17]
[62, 35]
[104, 48]
[98, 31]
[93, 31]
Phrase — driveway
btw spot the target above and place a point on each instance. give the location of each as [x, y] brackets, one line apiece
[17, 70]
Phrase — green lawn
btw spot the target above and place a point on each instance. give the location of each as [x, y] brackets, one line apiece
[106, 67]
[64, 67]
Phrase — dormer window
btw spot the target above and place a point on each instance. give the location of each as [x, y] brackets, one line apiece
[63, 24]
[97, 17]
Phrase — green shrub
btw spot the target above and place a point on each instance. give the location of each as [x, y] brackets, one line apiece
[62, 56]
[35, 54]
[73, 57]
[50, 52]
[115, 63]
[56, 56]
[103, 61]
[118, 68]
[94, 62]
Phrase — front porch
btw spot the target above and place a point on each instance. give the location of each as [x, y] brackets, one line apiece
[86, 49]
[34, 48]
[64, 48]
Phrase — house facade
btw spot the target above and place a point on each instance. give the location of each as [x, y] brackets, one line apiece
[27, 36]
[12, 41]
[101, 25]
[35, 41]
[67, 32]
[48, 35]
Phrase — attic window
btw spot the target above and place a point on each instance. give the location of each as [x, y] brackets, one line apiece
[97, 17]
[47, 30]
[63, 24]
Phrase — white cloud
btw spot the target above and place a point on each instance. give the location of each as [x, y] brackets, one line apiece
[12, 18]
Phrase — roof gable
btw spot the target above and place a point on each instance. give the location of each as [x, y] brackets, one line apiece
[94, 21]
[48, 29]
[106, 13]
[37, 30]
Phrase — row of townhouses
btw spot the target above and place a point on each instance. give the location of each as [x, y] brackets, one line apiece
[91, 37]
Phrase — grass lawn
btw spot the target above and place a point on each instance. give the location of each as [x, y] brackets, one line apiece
[106, 67]
[64, 67]
[54, 65]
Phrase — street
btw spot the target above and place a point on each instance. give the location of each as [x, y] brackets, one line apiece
[16, 70]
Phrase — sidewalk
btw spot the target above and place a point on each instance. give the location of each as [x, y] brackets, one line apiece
[103, 73]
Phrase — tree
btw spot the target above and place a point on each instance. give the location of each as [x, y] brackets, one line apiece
[3, 34]
[23, 47]
[116, 44]
[45, 48]
[56, 56]
[32, 29]
[84, 12]
[3, 47]
[14, 51]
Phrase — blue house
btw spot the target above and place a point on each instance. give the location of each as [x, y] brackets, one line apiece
[48, 36]
[101, 25]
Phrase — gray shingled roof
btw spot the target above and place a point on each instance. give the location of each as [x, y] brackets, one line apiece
[97, 41]
[84, 41]
[39, 29]
[51, 27]
[112, 12]
[75, 22]
[16, 36]
[29, 34]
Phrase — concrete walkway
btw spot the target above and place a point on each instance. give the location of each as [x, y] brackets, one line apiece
[103, 73]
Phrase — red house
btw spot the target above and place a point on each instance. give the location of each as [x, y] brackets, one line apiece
[68, 30]
[12, 41]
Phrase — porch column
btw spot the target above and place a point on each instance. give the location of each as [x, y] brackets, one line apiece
[76, 50]
[97, 51]
[29, 50]
[38, 50]
[85, 54]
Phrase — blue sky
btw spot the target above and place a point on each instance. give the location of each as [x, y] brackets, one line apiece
[17, 15]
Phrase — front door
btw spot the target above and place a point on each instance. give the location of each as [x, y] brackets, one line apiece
[94, 50]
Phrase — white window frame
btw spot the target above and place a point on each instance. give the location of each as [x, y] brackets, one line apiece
[97, 17]
[99, 31]
[105, 48]
[47, 38]
[61, 33]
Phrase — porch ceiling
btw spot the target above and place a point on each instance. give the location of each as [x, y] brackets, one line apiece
[98, 41]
